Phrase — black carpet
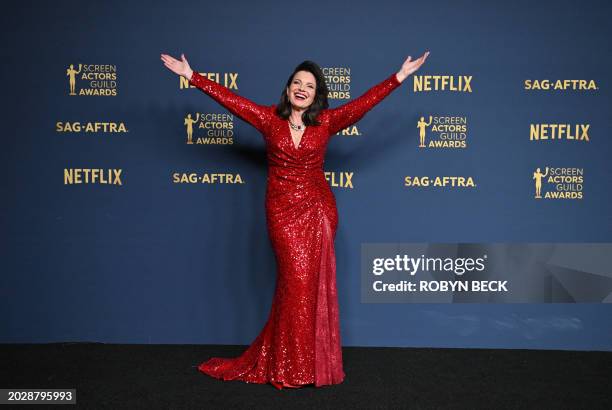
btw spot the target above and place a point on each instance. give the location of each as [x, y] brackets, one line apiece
[109, 376]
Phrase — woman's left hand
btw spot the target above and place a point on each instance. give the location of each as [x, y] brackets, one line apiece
[410, 66]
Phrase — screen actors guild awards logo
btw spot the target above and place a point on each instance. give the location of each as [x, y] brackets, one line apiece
[444, 131]
[212, 129]
[562, 183]
[94, 79]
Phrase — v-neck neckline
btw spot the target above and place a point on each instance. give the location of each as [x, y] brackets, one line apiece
[291, 137]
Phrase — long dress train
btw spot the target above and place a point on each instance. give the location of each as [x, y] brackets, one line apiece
[300, 342]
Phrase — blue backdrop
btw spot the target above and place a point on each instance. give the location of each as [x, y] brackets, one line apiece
[154, 261]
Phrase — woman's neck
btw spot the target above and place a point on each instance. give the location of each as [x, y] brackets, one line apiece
[296, 115]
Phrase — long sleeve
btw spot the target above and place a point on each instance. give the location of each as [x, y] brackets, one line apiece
[255, 114]
[352, 111]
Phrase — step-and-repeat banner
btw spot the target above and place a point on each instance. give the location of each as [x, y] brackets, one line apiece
[474, 201]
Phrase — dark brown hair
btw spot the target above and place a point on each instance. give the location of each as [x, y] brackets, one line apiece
[283, 108]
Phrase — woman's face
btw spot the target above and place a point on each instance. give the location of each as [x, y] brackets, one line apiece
[302, 90]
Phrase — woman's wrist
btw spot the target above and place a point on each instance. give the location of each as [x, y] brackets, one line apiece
[189, 74]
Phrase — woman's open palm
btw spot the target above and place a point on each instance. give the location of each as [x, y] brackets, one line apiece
[410, 66]
[180, 67]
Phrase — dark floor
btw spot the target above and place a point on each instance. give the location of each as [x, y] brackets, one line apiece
[165, 376]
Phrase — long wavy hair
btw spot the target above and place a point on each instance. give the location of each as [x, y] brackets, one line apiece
[309, 116]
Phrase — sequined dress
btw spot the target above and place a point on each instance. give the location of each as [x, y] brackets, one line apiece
[300, 341]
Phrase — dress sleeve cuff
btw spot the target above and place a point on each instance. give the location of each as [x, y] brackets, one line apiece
[194, 75]
[394, 80]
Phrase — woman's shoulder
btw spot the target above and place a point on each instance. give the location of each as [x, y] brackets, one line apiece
[324, 114]
[272, 110]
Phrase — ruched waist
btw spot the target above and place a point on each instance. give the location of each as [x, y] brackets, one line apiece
[296, 182]
[300, 167]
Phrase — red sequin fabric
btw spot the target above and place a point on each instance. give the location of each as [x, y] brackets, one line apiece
[300, 342]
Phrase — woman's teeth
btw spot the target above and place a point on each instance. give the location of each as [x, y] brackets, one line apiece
[300, 97]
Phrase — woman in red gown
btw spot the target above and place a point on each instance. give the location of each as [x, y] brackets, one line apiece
[300, 342]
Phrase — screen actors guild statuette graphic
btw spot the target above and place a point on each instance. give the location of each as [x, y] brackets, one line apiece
[538, 175]
[189, 126]
[71, 74]
[422, 126]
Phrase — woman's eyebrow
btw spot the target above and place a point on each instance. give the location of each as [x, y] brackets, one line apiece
[297, 79]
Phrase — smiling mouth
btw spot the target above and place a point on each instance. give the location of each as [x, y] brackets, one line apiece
[300, 96]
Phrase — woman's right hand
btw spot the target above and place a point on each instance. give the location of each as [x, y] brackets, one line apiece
[410, 67]
[180, 67]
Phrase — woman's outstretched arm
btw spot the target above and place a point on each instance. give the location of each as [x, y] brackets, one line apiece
[255, 114]
[351, 112]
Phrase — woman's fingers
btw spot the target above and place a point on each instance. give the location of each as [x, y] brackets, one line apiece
[168, 58]
[410, 66]
[172, 63]
[421, 59]
[413, 65]
[171, 66]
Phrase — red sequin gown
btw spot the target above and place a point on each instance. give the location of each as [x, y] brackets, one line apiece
[300, 342]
